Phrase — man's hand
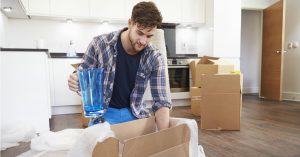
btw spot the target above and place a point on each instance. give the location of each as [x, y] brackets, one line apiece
[73, 82]
[162, 116]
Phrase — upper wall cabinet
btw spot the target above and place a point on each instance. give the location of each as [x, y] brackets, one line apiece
[72, 8]
[108, 10]
[193, 11]
[129, 6]
[37, 7]
[170, 10]
[173, 11]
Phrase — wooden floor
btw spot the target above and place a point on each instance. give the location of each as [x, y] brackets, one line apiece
[268, 129]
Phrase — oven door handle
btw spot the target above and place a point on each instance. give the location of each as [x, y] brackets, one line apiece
[177, 66]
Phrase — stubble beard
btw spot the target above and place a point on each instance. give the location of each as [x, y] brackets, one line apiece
[133, 44]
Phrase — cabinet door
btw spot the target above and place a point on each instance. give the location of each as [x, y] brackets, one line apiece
[112, 10]
[25, 89]
[61, 94]
[193, 11]
[72, 8]
[170, 10]
[38, 7]
[129, 4]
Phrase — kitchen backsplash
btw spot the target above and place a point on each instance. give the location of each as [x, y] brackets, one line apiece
[56, 35]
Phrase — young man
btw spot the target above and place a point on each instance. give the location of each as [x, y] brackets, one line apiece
[129, 62]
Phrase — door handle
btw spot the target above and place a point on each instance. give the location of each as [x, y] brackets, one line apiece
[278, 52]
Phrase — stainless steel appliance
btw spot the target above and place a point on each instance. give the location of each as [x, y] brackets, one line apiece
[179, 74]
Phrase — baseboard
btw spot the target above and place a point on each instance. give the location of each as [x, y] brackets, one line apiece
[250, 90]
[70, 109]
[291, 96]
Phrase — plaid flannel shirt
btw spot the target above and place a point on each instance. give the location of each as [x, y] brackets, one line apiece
[102, 52]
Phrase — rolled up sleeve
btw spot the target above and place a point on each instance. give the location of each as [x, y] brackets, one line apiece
[158, 85]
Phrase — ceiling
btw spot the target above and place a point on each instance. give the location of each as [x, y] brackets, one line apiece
[17, 9]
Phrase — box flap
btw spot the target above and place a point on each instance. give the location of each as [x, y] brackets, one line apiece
[207, 60]
[225, 69]
[153, 143]
[177, 151]
[193, 66]
[107, 148]
[221, 83]
[76, 65]
[134, 128]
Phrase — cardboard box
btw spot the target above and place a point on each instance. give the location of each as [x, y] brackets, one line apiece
[84, 120]
[221, 101]
[196, 101]
[206, 66]
[138, 138]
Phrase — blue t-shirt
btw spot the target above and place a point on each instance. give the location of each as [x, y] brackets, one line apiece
[126, 69]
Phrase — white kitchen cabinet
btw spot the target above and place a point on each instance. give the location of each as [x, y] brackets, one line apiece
[108, 10]
[173, 11]
[25, 89]
[170, 10]
[38, 7]
[193, 11]
[129, 6]
[25, 5]
[71, 8]
[61, 94]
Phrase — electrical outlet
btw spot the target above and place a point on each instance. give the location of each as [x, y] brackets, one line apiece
[295, 44]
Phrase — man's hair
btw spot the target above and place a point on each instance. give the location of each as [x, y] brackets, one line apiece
[146, 14]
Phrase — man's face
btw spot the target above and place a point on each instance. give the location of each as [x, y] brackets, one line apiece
[140, 36]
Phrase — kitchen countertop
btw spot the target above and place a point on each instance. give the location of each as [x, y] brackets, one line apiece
[25, 49]
[50, 54]
[65, 55]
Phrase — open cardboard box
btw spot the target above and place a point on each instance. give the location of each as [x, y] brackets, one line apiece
[206, 65]
[139, 138]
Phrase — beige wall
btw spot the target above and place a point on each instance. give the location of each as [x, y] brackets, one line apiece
[291, 75]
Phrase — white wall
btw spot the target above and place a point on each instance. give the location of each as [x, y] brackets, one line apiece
[291, 75]
[227, 30]
[251, 30]
[23, 33]
[3, 26]
[257, 4]
[205, 32]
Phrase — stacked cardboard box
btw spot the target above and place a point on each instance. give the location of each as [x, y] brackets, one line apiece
[204, 66]
[222, 101]
[196, 100]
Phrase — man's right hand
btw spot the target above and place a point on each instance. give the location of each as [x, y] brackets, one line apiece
[73, 82]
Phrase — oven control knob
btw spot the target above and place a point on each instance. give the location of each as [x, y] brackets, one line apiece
[169, 62]
[180, 62]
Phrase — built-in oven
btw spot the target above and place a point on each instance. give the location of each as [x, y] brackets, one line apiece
[179, 75]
